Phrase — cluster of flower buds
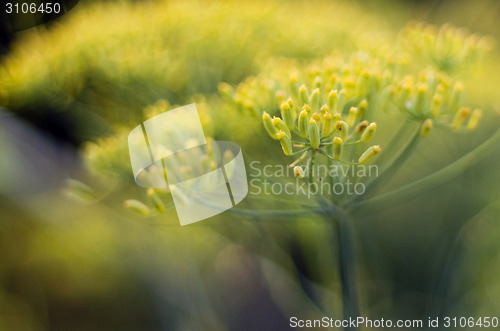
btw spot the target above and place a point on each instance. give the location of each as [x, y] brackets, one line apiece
[448, 48]
[434, 99]
[324, 123]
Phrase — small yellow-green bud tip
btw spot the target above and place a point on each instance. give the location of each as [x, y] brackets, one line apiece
[369, 132]
[337, 148]
[474, 119]
[426, 128]
[298, 172]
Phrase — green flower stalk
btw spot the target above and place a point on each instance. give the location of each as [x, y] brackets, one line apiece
[362, 108]
[460, 117]
[332, 100]
[328, 124]
[281, 126]
[286, 143]
[314, 136]
[420, 100]
[352, 116]
[137, 207]
[341, 99]
[314, 99]
[436, 105]
[287, 115]
[303, 123]
[304, 97]
[474, 119]
[337, 148]
[426, 127]
[156, 200]
[270, 127]
[363, 83]
[369, 132]
[456, 97]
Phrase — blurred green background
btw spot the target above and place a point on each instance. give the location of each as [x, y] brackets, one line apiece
[72, 90]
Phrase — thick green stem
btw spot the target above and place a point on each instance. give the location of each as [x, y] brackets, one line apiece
[437, 178]
[347, 267]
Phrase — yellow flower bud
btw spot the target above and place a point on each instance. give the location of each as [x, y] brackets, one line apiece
[286, 143]
[369, 132]
[290, 103]
[403, 95]
[137, 207]
[328, 124]
[474, 119]
[436, 105]
[314, 137]
[368, 154]
[304, 97]
[314, 99]
[343, 129]
[316, 117]
[298, 172]
[317, 82]
[337, 148]
[324, 110]
[363, 83]
[80, 191]
[426, 128]
[352, 116]
[287, 114]
[334, 79]
[225, 89]
[460, 116]
[456, 96]
[332, 99]
[280, 96]
[420, 101]
[307, 109]
[303, 126]
[362, 108]
[293, 86]
[341, 99]
[249, 105]
[269, 126]
[361, 127]
[156, 200]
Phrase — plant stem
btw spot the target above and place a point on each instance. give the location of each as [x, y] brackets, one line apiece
[393, 166]
[433, 180]
[347, 267]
